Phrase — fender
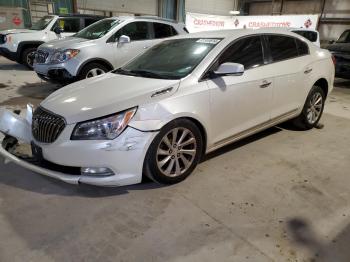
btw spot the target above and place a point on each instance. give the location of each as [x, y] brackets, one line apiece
[95, 59]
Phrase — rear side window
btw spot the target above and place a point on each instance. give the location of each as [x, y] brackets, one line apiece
[69, 25]
[309, 35]
[135, 30]
[163, 30]
[247, 51]
[282, 47]
[303, 48]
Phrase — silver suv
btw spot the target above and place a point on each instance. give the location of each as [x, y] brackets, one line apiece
[101, 47]
[20, 44]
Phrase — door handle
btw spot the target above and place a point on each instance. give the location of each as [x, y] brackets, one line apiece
[145, 47]
[265, 84]
[307, 71]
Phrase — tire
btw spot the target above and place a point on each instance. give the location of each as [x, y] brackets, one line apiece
[182, 158]
[89, 69]
[27, 57]
[312, 110]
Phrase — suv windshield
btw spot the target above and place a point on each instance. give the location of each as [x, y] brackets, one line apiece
[98, 29]
[345, 37]
[42, 23]
[172, 59]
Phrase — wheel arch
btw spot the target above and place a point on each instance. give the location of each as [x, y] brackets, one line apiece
[25, 44]
[323, 84]
[101, 61]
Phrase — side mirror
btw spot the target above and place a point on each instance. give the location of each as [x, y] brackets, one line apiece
[229, 69]
[58, 30]
[123, 39]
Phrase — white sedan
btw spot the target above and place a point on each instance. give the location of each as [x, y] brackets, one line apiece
[160, 113]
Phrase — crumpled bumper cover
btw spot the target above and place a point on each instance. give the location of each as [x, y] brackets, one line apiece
[130, 147]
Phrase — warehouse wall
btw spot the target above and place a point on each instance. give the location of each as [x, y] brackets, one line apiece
[144, 7]
[214, 7]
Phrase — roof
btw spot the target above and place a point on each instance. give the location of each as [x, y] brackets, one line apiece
[80, 15]
[145, 18]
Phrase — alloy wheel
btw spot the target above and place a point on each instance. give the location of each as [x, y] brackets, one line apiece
[94, 72]
[176, 152]
[30, 58]
[315, 108]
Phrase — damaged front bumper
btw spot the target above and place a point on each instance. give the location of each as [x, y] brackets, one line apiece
[64, 159]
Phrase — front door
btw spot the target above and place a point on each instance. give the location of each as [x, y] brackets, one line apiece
[240, 103]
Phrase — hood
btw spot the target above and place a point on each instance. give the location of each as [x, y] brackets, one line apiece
[339, 47]
[106, 94]
[68, 42]
[17, 31]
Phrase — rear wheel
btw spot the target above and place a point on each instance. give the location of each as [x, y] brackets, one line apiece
[174, 153]
[313, 109]
[28, 55]
[92, 70]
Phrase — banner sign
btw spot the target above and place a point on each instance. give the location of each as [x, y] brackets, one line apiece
[203, 22]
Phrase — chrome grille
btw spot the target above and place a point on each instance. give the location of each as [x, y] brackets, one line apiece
[46, 126]
[41, 56]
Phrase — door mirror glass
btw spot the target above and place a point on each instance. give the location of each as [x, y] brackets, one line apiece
[58, 30]
[123, 39]
[229, 69]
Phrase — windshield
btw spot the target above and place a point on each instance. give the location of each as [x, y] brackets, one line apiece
[345, 37]
[98, 29]
[172, 59]
[42, 23]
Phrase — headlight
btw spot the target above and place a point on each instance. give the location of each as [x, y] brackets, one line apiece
[104, 128]
[62, 56]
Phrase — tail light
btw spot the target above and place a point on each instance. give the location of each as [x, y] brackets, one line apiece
[334, 60]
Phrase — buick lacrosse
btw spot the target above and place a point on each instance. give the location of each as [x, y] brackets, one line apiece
[160, 113]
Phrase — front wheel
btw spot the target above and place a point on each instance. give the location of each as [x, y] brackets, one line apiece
[313, 109]
[92, 70]
[28, 56]
[174, 153]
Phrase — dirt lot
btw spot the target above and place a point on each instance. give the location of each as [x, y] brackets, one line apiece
[281, 195]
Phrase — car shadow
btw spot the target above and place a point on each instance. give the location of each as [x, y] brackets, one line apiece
[13, 66]
[304, 235]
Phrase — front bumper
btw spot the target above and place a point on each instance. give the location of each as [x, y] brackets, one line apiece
[124, 155]
[62, 73]
[342, 65]
[8, 54]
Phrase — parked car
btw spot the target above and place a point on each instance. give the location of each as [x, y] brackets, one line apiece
[341, 52]
[20, 44]
[161, 112]
[310, 34]
[101, 47]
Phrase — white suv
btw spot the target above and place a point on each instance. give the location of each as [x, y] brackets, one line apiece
[160, 113]
[20, 44]
[101, 47]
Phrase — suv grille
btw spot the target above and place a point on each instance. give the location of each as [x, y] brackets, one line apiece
[2, 39]
[46, 126]
[41, 56]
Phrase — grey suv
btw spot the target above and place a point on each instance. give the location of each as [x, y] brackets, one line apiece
[101, 47]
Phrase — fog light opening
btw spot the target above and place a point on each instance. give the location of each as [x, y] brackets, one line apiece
[96, 171]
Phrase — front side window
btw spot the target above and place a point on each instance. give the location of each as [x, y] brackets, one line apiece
[135, 30]
[69, 25]
[309, 35]
[172, 59]
[42, 23]
[282, 47]
[163, 30]
[345, 37]
[247, 51]
[98, 29]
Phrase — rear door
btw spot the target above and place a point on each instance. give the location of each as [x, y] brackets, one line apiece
[240, 103]
[291, 66]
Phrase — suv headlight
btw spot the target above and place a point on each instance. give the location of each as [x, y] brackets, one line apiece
[62, 56]
[104, 128]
